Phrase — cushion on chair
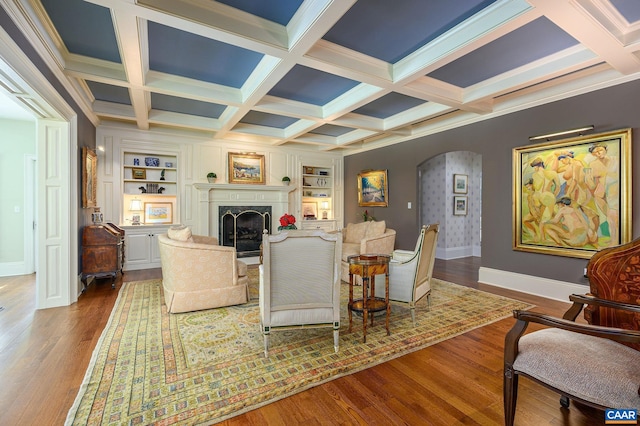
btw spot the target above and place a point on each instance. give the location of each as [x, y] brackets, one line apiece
[375, 229]
[242, 268]
[355, 232]
[592, 368]
[180, 233]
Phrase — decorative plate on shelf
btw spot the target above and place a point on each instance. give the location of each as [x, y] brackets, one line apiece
[152, 161]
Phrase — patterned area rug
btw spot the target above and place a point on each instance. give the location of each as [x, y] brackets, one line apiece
[151, 367]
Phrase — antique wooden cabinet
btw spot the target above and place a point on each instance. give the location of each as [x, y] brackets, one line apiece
[102, 252]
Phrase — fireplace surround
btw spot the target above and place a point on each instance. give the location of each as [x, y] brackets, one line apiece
[213, 196]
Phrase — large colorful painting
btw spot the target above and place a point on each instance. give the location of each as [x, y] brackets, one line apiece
[573, 197]
[373, 189]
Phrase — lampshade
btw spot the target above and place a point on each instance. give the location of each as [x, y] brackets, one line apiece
[325, 205]
[136, 205]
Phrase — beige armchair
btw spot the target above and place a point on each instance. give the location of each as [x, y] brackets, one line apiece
[197, 273]
[410, 271]
[365, 238]
[300, 282]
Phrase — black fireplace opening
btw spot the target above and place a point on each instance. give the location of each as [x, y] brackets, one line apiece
[242, 226]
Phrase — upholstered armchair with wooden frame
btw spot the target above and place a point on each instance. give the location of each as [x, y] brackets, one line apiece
[300, 282]
[410, 272]
[583, 362]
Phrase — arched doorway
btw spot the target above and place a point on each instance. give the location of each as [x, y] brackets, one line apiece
[460, 234]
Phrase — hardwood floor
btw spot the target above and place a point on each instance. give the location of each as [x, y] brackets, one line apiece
[44, 355]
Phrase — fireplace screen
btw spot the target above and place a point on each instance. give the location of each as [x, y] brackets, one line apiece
[241, 227]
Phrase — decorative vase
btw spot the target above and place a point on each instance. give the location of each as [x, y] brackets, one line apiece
[211, 180]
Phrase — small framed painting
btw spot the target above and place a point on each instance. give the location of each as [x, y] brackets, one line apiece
[460, 205]
[138, 173]
[246, 168]
[158, 213]
[460, 183]
[309, 210]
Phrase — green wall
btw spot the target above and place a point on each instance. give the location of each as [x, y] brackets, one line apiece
[18, 139]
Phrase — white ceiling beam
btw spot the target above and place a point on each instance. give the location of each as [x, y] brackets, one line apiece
[582, 26]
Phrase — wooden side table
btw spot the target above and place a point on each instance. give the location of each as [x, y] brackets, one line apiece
[368, 266]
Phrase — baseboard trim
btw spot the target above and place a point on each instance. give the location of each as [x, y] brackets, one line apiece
[10, 269]
[544, 287]
[455, 252]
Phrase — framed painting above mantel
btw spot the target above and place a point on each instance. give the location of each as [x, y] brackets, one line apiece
[246, 168]
[572, 197]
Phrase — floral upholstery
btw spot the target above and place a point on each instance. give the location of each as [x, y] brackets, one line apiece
[201, 274]
[365, 238]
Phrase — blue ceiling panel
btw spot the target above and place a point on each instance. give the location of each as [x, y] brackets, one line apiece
[389, 105]
[85, 28]
[311, 86]
[177, 52]
[630, 9]
[109, 93]
[541, 38]
[390, 30]
[331, 130]
[268, 120]
[186, 106]
[280, 11]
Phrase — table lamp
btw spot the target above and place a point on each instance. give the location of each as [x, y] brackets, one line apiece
[135, 206]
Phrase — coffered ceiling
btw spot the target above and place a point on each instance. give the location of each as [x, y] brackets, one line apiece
[330, 74]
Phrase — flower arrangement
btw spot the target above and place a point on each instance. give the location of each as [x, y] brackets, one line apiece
[287, 221]
[367, 217]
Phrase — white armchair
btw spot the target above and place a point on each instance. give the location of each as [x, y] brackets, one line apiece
[410, 271]
[300, 282]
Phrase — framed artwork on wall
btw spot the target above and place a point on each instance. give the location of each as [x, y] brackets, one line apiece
[310, 210]
[572, 197]
[460, 205]
[158, 213]
[460, 184]
[89, 177]
[246, 168]
[373, 188]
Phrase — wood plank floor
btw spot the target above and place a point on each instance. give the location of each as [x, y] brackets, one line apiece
[44, 355]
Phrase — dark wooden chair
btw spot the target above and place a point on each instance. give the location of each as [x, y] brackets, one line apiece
[614, 274]
[583, 362]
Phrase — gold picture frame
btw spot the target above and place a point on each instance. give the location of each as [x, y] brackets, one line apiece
[158, 213]
[246, 168]
[373, 190]
[89, 177]
[139, 173]
[572, 197]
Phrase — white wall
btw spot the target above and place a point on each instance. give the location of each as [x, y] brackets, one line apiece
[197, 156]
[18, 141]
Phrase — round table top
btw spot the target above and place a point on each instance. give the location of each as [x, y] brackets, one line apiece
[369, 259]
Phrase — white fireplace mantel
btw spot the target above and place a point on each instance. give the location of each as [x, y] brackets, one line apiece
[213, 195]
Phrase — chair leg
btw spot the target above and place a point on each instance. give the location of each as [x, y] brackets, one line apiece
[336, 339]
[429, 302]
[510, 389]
[266, 346]
[413, 315]
[565, 401]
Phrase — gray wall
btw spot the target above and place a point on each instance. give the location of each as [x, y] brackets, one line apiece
[607, 109]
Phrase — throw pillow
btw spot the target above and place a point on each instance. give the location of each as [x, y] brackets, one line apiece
[356, 232]
[376, 229]
[180, 233]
